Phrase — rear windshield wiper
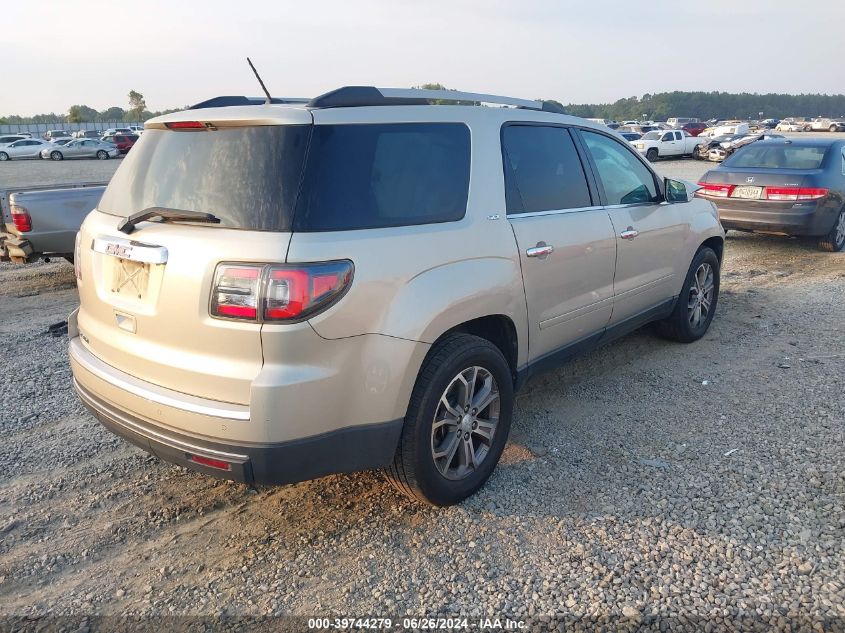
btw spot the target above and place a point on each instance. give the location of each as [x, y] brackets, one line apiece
[167, 215]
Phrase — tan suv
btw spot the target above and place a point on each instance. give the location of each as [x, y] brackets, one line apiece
[276, 292]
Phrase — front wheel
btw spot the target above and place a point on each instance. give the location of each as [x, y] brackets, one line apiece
[102, 154]
[457, 423]
[834, 242]
[696, 304]
[56, 155]
[651, 155]
[4, 156]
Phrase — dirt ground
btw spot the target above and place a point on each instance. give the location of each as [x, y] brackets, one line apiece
[695, 483]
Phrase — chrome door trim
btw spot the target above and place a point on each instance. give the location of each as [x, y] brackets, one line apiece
[538, 214]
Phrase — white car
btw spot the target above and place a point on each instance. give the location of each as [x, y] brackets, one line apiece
[137, 129]
[5, 139]
[24, 148]
[791, 126]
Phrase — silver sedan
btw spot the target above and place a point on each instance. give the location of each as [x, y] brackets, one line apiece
[81, 148]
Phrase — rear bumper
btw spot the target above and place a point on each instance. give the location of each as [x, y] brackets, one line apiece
[344, 450]
[789, 218]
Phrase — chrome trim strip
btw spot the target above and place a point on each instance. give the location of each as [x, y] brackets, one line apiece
[537, 214]
[154, 393]
[119, 418]
[129, 249]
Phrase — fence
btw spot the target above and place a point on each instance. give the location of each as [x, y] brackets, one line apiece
[39, 129]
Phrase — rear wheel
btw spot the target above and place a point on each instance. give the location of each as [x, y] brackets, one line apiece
[696, 304]
[833, 128]
[652, 154]
[457, 423]
[4, 156]
[56, 155]
[834, 241]
[102, 154]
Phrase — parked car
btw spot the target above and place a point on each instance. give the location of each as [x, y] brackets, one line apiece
[828, 125]
[117, 130]
[728, 146]
[693, 128]
[82, 148]
[5, 139]
[789, 187]
[631, 136]
[23, 148]
[60, 141]
[668, 143]
[123, 142]
[294, 338]
[136, 129]
[87, 134]
[24, 134]
[43, 221]
[677, 122]
[52, 135]
[769, 123]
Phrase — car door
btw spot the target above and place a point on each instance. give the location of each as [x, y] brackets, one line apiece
[649, 233]
[566, 241]
[26, 149]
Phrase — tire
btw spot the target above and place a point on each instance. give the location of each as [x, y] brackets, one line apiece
[834, 242]
[808, 128]
[103, 154]
[56, 156]
[682, 325]
[832, 128]
[4, 156]
[454, 361]
[652, 154]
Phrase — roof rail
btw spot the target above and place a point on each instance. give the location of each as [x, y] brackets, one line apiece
[353, 96]
[232, 100]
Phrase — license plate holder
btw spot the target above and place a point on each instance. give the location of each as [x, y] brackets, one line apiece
[747, 192]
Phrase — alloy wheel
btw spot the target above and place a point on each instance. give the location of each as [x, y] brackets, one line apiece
[701, 295]
[465, 423]
[839, 236]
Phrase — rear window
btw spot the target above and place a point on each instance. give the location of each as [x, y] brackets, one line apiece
[245, 176]
[370, 176]
[356, 176]
[779, 156]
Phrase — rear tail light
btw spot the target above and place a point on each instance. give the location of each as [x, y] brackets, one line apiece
[715, 190]
[794, 193]
[21, 218]
[278, 292]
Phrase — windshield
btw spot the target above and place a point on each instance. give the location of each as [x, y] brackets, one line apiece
[652, 136]
[778, 157]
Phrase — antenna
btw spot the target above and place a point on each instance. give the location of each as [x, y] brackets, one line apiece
[258, 77]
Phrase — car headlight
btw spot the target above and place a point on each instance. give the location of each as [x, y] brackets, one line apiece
[639, 145]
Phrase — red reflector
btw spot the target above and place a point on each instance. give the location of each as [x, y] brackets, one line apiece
[185, 125]
[211, 463]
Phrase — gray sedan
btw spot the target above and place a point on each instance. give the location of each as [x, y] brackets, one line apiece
[81, 148]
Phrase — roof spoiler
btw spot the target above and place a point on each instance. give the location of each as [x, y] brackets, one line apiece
[232, 100]
[355, 96]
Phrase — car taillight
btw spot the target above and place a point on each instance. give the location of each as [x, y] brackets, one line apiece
[21, 218]
[715, 190]
[278, 292]
[185, 125]
[794, 193]
[235, 291]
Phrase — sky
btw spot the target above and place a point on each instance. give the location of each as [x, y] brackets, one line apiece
[176, 52]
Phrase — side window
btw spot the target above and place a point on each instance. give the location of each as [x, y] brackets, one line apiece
[542, 170]
[624, 178]
[667, 137]
[678, 136]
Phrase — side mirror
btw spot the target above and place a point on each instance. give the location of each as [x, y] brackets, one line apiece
[676, 191]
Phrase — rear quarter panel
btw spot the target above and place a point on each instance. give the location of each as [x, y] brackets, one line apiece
[57, 215]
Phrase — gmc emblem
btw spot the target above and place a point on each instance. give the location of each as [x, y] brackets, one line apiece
[119, 250]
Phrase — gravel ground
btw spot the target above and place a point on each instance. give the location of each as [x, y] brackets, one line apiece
[698, 484]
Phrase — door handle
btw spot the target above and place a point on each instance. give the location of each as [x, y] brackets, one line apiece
[542, 250]
[629, 233]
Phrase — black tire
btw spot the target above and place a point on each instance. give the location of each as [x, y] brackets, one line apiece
[103, 154]
[4, 156]
[413, 471]
[678, 326]
[834, 242]
[56, 156]
[652, 154]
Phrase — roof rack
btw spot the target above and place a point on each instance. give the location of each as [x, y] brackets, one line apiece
[355, 96]
[232, 100]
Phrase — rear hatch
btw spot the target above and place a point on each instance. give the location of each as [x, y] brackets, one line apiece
[145, 293]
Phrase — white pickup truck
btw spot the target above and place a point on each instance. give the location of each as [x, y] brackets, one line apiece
[665, 143]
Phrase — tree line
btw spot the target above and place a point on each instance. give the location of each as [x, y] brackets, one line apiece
[714, 105]
[656, 107]
[137, 111]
